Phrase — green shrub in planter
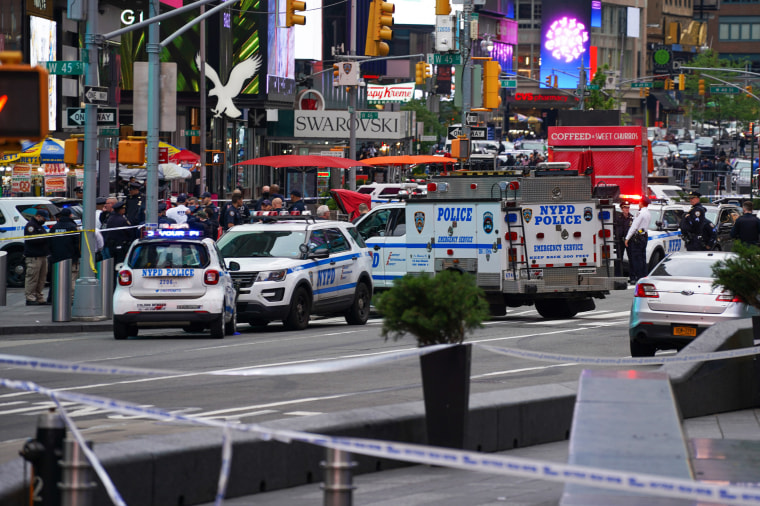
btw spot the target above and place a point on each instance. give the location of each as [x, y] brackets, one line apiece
[437, 310]
[741, 275]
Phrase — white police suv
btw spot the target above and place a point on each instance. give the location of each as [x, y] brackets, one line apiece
[293, 266]
[172, 277]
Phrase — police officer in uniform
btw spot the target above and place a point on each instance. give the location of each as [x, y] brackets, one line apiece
[118, 241]
[135, 204]
[636, 241]
[747, 226]
[36, 251]
[620, 226]
[693, 224]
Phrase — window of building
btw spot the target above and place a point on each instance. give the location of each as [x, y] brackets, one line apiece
[739, 29]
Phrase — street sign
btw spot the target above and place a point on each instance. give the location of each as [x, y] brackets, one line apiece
[592, 86]
[723, 89]
[65, 68]
[444, 58]
[368, 115]
[454, 132]
[109, 132]
[75, 117]
[508, 83]
[479, 133]
[192, 133]
[471, 118]
[641, 85]
[96, 95]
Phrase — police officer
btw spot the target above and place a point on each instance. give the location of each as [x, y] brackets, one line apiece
[135, 204]
[296, 202]
[693, 224]
[162, 218]
[620, 227]
[36, 253]
[636, 241]
[66, 246]
[231, 215]
[118, 241]
[747, 226]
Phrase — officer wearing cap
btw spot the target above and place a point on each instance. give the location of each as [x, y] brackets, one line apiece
[118, 241]
[693, 225]
[296, 202]
[206, 203]
[66, 245]
[620, 225]
[636, 241]
[36, 251]
[78, 192]
[135, 204]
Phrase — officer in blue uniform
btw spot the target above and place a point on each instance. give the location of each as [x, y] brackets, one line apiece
[693, 225]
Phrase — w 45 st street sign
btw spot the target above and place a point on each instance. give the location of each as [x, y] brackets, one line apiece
[75, 117]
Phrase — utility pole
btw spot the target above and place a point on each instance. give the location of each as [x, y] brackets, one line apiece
[153, 49]
[88, 300]
[352, 104]
[464, 46]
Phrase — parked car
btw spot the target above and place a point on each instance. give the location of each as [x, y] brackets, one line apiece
[174, 278]
[676, 302]
[707, 146]
[723, 217]
[689, 151]
[742, 172]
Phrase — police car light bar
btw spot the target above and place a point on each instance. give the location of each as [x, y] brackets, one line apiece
[282, 213]
[174, 233]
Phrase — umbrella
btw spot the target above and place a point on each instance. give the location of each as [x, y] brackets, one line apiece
[172, 150]
[304, 161]
[533, 119]
[185, 155]
[49, 150]
[518, 117]
[165, 171]
[408, 160]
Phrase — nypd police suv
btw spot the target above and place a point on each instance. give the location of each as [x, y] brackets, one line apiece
[172, 277]
[294, 265]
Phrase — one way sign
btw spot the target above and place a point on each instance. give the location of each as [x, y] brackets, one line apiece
[75, 117]
[454, 132]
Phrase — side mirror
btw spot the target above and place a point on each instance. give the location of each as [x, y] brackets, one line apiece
[323, 253]
[659, 225]
[233, 266]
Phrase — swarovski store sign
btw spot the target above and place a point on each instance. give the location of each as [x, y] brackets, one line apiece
[335, 125]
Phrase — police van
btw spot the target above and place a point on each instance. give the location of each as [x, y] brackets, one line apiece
[538, 239]
[173, 277]
[292, 266]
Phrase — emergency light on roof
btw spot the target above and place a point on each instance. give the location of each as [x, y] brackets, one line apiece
[282, 213]
[173, 233]
[438, 187]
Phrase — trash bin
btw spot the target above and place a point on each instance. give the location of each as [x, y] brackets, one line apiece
[106, 275]
[61, 288]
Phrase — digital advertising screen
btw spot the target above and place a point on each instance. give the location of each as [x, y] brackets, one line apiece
[308, 37]
[42, 46]
[565, 36]
[280, 42]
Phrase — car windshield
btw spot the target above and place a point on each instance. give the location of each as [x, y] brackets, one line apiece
[262, 243]
[687, 146]
[365, 190]
[166, 255]
[685, 266]
[661, 150]
[704, 140]
[534, 145]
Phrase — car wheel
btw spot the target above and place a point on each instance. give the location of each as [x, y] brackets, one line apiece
[216, 329]
[657, 257]
[358, 314]
[300, 310]
[120, 331]
[556, 309]
[231, 326]
[16, 271]
[639, 349]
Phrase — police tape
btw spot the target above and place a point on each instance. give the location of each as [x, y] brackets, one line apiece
[620, 481]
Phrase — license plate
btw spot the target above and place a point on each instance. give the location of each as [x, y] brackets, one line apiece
[685, 331]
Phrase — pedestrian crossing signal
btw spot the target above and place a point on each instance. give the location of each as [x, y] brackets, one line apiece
[23, 102]
[214, 157]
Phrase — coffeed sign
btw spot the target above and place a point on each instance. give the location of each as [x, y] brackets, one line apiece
[335, 125]
[379, 94]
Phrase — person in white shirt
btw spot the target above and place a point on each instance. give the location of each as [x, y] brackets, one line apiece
[179, 213]
[636, 241]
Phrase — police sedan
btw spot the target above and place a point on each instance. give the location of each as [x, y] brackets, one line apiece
[172, 277]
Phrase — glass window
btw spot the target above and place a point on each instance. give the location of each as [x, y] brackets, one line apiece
[169, 255]
[261, 243]
[337, 241]
[375, 225]
[723, 31]
[398, 226]
[358, 238]
[686, 267]
[318, 241]
[2, 218]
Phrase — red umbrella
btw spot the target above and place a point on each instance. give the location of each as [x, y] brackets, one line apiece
[408, 160]
[304, 161]
[185, 155]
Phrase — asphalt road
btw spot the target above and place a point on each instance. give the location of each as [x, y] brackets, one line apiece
[602, 332]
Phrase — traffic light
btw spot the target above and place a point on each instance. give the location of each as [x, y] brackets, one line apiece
[419, 72]
[701, 86]
[555, 81]
[378, 31]
[442, 7]
[646, 92]
[491, 84]
[668, 84]
[336, 74]
[681, 82]
[291, 18]
[548, 81]
[23, 102]
[749, 90]
[641, 92]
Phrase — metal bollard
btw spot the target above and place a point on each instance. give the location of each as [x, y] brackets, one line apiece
[338, 485]
[61, 287]
[77, 486]
[105, 275]
[44, 452]
[3, 277]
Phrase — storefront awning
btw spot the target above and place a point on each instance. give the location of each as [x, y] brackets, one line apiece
[667, 103]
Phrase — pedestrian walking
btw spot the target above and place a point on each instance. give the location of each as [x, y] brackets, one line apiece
[36, 251]
[118, 241]
[66, 246]
[694, 225]
[747, 226]
[620, 226]
[636, 241]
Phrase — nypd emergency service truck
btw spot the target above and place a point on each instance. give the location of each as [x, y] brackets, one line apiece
[529, 238]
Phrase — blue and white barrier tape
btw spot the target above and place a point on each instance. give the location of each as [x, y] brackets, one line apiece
[45, 364]
[419, 454]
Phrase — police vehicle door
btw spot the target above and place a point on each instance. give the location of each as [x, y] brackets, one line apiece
[384, 231]
[488, 225]
[455, 236]
[334, 277]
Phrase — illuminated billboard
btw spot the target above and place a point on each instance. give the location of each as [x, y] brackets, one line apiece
[42, 45]
[565, 35]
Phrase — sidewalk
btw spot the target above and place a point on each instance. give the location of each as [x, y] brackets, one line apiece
[18, 318]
